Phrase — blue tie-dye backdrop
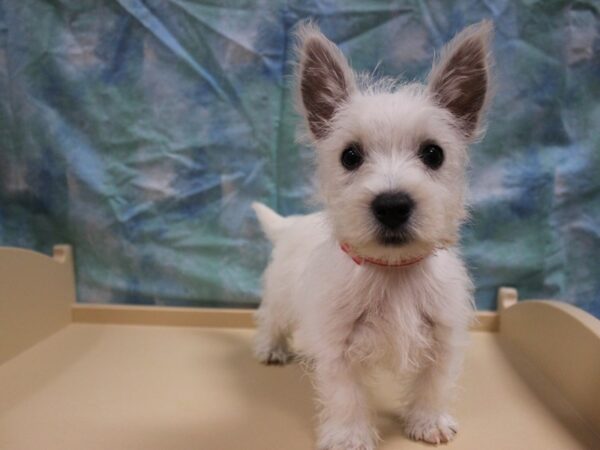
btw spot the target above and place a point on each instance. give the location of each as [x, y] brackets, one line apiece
[140, 131]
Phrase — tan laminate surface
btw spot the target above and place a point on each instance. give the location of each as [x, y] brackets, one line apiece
[152, 387]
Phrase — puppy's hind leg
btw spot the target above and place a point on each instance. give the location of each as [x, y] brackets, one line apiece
[271, 342]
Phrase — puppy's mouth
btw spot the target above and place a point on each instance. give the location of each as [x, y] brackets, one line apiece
[394, 238]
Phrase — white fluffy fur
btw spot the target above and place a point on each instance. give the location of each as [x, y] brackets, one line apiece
[344, 317]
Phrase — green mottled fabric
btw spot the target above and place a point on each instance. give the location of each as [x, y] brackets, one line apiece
[140, 131]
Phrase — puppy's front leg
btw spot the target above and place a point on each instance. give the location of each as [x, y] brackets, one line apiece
[427, 418]
[344, 419]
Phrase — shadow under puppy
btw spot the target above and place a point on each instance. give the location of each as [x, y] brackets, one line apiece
[375, 278]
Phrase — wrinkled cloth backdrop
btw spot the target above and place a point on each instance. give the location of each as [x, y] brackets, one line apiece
[140, 131]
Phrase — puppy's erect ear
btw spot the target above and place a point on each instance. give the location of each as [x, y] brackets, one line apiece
[325, 80]
[460, 78]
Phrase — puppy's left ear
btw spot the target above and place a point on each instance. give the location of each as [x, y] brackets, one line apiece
[459, 80]
[325, 79]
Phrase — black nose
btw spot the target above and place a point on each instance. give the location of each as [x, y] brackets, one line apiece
[392, 209]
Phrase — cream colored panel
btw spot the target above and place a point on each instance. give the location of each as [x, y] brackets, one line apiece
[36, 294]
[563, 342]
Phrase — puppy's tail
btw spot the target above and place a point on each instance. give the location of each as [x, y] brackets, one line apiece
[271, 222]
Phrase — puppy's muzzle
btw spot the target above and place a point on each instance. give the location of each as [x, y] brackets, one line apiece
[392, 209]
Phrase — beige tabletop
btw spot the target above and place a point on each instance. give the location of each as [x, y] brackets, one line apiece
[133, 387]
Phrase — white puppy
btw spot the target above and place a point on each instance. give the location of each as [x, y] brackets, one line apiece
[376, 277]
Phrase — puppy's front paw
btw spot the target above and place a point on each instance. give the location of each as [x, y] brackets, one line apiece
[348, 446]
[432, 428]
[348, 439]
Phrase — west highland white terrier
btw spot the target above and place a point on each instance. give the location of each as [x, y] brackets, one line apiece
[376, 278]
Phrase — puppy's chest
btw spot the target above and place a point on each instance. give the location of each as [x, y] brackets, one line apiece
[391, 330]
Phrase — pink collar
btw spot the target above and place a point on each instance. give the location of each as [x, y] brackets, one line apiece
[360, 260]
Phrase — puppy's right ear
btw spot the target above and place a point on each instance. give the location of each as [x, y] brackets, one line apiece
[325, 79]
[460, 79]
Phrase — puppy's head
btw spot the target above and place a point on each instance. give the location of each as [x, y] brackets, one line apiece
[391, 159]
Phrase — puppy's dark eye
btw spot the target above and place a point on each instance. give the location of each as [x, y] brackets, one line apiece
[432, 155]
[352, 157]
